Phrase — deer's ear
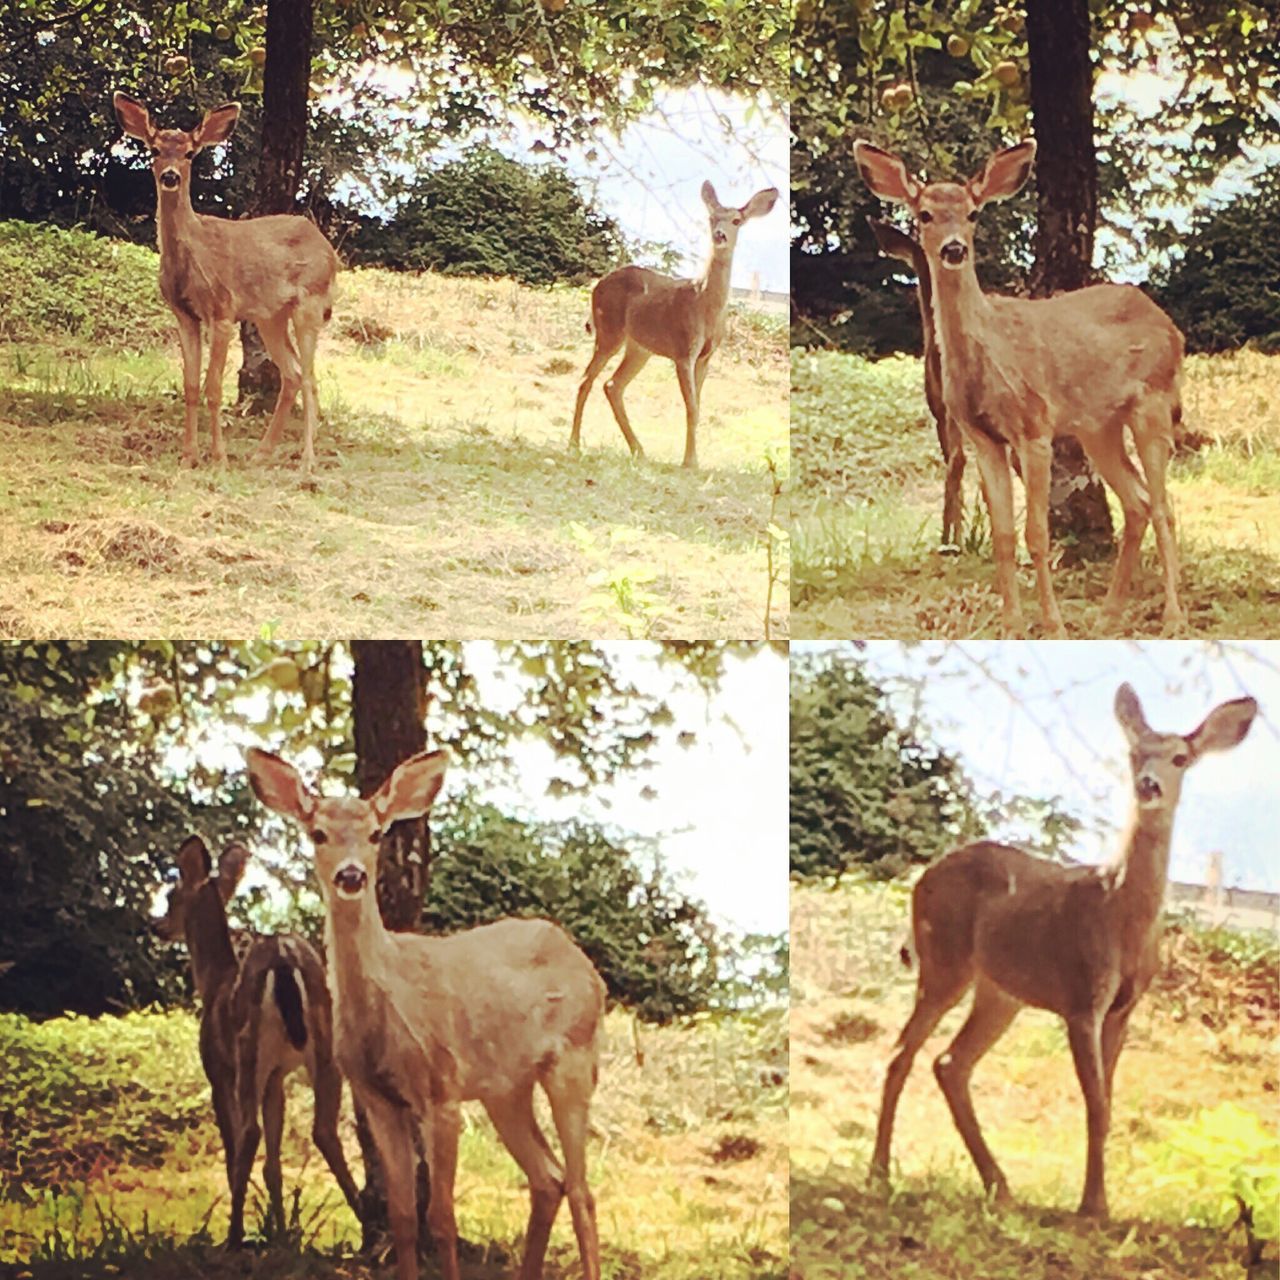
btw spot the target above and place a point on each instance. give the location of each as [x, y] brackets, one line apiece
[1129, 713]
[133, 117]
[217, 125]
[760, 203]
[1005, 174]
[411, 789]
[709, 197]
[1223, 727]
[893, 242]
[885, 174]
[231, 865]
[194, 862]
[279, 786]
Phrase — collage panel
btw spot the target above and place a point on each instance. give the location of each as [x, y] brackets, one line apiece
[1033, 391]
[379, 317]
[471, 976]
[1033, 1017]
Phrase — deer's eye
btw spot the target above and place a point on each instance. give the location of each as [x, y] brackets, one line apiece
[375, 837]
[319, 837]
[925, 215]
[973, 215]
[191, 155]
[155, 151]
[1181, 760]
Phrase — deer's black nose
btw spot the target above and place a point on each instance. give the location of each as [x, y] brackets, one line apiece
[1147, 788]
[954, 252]
[170, 179]
[350, 879]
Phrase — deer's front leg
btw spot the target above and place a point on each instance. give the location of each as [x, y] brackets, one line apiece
[392, 1131]
[689, 384]
[440, 1139]
[997, 488]
[1037, 459]
[189, 339]
[219, 341]
[1085, 1037]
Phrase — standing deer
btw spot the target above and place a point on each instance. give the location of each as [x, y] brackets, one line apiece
[1019, 372]
[424, 1024]
[261, 1018]
[897, 244]
[657, 315]
[1081, 941]
[277, 271]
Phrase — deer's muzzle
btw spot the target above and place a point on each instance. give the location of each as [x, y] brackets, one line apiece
[350, 880]
[954, 252]
[1147, 789]
[170, 179]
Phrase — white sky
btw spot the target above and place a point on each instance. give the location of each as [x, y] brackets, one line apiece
[721, 811]
[1059, 735]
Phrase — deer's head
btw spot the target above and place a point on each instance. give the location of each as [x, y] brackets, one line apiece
[1159, 761]
[196, 876]
[346, 832]
[946, 211]
[173, 150]
[727, 220]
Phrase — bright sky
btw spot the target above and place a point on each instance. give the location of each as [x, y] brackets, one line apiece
[720, 814]
[1052, 730]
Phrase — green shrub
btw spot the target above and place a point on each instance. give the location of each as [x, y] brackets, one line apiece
[487, 215]
[61, 285]
[79, 1094]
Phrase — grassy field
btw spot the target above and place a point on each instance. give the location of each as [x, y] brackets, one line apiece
[108, 1127]
[1195, 1104]
[445, 500]
[868, 503]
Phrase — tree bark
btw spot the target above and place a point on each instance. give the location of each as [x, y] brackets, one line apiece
[1058, 41]
[389, 702]
[286, 79]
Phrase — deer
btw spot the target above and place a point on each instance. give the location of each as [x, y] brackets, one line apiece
[659, 315]
[423, 1024]
[897, 244]
[277, 270]
[1018, 372]
[1080, 941]
[263, 1015]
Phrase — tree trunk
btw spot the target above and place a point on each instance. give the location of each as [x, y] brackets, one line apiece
[1066, 215]
[389, 701]
[286, 77]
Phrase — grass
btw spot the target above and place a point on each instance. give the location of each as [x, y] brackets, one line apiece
[688, 1164]
[1197, 1075]
[866, 533]
[445, 499]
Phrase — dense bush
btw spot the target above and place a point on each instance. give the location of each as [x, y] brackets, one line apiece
[77, 1095]
[655, 947]
[1225, 289]
[61, 284]
[866, 790]
[485, 214]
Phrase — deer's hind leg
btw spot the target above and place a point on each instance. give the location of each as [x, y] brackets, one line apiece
[326, 1084]
[273, 1133]
[936, 994]
[307, 322]
[1110, 458]
[518, 1127]
[569, 1085]
[1153, 435]
[609, 339]
[634, 359]
[283, 351]
[988, 1020]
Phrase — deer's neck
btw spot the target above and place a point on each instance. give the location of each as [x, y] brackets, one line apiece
[1142, 869]
[176, 221]
[972, 372]
[359, 955]
[213, 959]
[713, 287]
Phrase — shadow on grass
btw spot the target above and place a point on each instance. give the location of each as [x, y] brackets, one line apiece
[839, 1228]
